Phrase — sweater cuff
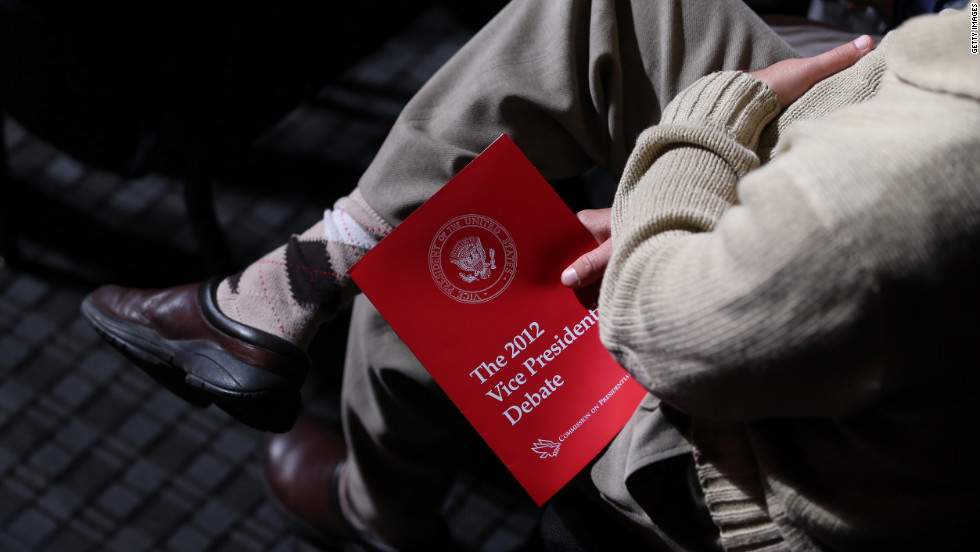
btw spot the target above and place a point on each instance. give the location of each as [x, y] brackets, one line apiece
[736, 102]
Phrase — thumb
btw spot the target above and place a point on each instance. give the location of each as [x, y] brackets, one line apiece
[589, 267]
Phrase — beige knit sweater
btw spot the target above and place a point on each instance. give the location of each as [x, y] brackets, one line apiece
[803, 286]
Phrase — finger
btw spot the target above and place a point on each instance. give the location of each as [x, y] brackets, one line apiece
[791, 78]
[840, 58]
[588, 268]
[597, 222]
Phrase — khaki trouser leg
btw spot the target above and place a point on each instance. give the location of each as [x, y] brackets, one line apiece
[572, 82]
[405, 438]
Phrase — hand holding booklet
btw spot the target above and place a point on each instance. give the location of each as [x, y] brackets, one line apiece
[471, 283]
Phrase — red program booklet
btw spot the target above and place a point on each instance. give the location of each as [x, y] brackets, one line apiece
[471, 283]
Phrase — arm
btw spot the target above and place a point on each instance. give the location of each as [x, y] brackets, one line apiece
[764, 304]
[788, 79]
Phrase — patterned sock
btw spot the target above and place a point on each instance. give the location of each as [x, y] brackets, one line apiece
[292, 290]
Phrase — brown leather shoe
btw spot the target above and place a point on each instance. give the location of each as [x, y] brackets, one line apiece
[302, 475]
[180, 338]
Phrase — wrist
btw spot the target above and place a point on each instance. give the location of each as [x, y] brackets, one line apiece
[735, 102]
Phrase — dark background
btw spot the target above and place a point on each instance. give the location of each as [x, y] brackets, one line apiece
[108, 107]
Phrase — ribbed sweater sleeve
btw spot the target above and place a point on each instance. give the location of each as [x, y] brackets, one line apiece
[701, 301]
[715, 298]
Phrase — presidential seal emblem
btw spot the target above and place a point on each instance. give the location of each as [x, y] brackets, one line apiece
[472, 259]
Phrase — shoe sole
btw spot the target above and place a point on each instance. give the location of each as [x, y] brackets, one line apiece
[189, 369]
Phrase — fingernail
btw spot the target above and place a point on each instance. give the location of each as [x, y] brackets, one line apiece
[570, 277]
[863, 43]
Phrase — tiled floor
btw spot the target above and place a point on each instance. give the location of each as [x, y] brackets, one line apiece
[93, 455]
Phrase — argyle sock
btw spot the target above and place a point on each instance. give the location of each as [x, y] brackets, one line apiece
[295, 288]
